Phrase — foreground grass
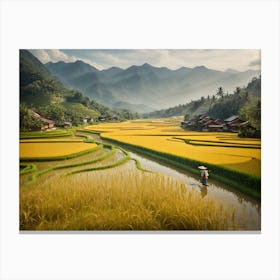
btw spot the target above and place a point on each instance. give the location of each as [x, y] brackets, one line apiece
[118, 200]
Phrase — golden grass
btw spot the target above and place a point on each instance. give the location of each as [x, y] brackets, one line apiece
[119, 199]
[160, 135]
[52, 149]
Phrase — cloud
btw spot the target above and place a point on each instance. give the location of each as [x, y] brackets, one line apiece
[219, 59]
[55, 55]
[256, 62]
[52, 55]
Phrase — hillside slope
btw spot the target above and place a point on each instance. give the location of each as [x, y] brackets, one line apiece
[43, 93]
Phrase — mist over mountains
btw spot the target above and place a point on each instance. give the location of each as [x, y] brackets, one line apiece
[146, 88]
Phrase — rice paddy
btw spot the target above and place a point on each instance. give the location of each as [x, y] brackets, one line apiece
[118, 199]
[49, 149]
[69, 181]
[219, 148]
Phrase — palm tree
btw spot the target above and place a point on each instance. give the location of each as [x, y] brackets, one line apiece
[220, 92]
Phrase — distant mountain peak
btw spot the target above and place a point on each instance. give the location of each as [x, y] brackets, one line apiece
[57, 63]
[147, 65]
[201, 67]
[230, 70]
[79, 62]
[114, 68]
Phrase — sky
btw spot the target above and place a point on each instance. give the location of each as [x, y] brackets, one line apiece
[218, 59]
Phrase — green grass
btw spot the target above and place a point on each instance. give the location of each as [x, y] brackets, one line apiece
[45, 134]
[108, 166]
[69, 165]
[27, 168]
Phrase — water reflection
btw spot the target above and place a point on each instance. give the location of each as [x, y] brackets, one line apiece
[203, 191]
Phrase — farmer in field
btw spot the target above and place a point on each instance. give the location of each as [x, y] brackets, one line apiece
[203, 175]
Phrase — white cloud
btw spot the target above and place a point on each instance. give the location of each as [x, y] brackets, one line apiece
[255, 63]
[55, 55]
[52, 55]
[220, 59]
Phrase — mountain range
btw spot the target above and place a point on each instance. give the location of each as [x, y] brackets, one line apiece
[49, 97]
[146, 88]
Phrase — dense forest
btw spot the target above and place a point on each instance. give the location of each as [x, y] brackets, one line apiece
[47, 96]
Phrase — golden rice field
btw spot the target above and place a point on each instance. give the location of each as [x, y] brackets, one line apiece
[119, 199]
[46, 149]
[106, 189]
[48, 140]
[165, 135]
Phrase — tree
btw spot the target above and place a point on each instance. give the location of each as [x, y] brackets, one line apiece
[220, 92]
[55, 112]
[27, 122]
[252, 113]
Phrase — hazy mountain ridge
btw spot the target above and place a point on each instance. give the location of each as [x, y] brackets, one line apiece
[214, 105]
[153, 87]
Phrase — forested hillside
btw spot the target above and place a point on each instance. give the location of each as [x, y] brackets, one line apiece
[218, 105]
[46, 95]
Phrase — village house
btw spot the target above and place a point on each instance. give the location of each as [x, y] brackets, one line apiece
[108, 118]
[214, 125]
[67, 125]
[203, 123]
[46, 123]
[206, 123]
[87, 119]
[233, 123]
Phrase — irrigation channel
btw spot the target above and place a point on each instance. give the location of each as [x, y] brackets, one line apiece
[247, 210]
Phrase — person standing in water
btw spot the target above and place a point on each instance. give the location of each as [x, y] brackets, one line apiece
[204, 175]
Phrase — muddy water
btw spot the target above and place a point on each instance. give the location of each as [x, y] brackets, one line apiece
[247, 210]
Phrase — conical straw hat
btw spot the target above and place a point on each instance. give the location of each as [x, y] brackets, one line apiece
[202, 167]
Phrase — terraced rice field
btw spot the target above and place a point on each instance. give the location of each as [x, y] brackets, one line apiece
[50, 149]
[106, 189]
[223, 149]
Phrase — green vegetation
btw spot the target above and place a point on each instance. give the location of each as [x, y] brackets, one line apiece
[45, 134]
[27, 122]
[47, 96]
[229, 104]
[27, 168]
[252, 113]
[69, 165]
[243, 101]
[115, 164]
